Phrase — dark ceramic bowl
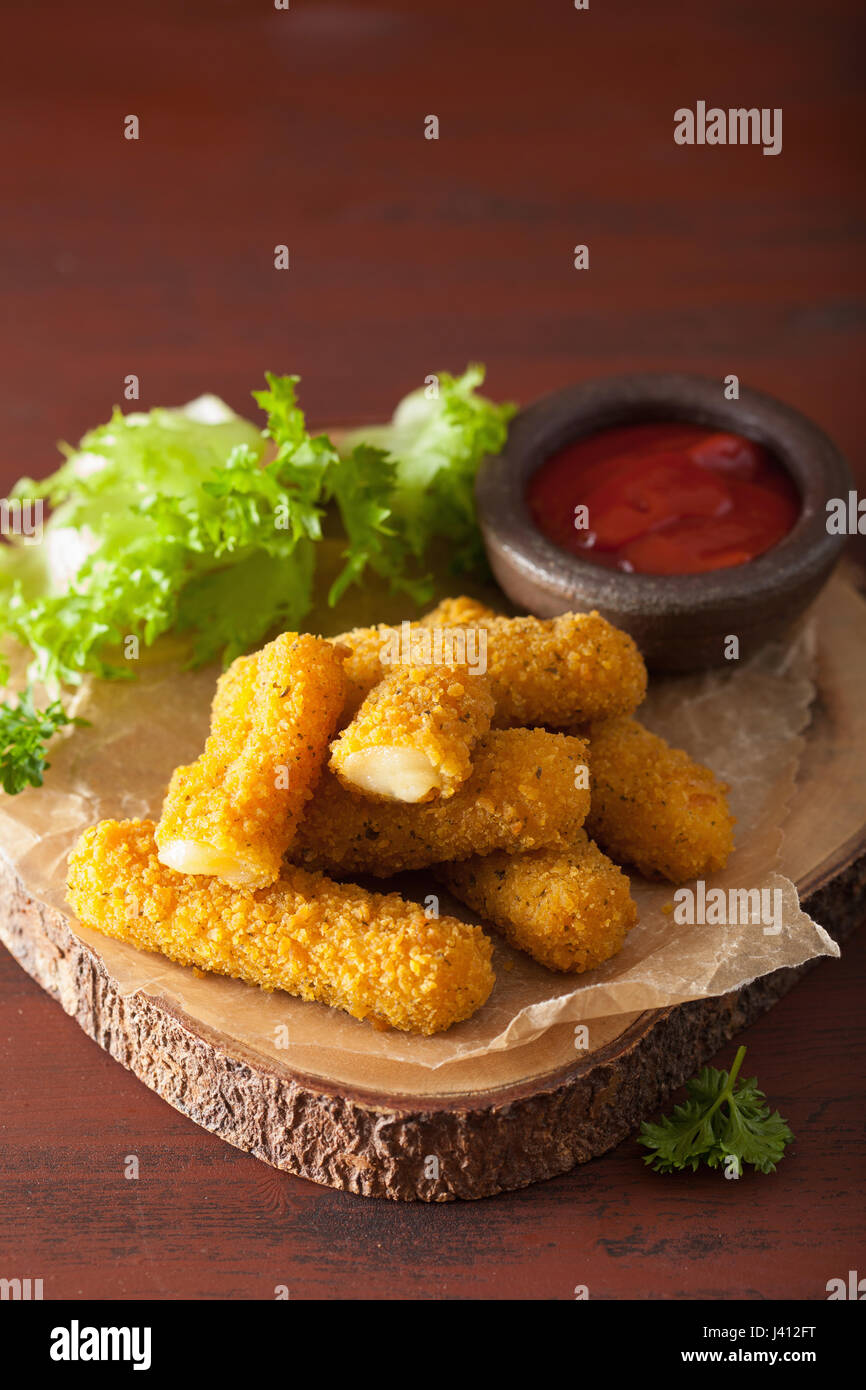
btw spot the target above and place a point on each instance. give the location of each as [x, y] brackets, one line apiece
[680, 622]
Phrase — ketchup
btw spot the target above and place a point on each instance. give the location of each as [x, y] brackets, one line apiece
[664, 499]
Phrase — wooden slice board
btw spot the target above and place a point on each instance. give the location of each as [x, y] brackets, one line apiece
[403, 1133]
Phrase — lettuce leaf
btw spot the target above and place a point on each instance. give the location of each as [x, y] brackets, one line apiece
[437, 438]
[178, 524]
[194, 520]
[360, 484]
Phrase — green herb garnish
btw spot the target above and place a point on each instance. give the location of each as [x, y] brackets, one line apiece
[24, 733]
[722, 1122]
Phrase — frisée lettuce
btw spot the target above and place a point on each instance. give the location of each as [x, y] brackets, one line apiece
[194, 521]
[438, 436]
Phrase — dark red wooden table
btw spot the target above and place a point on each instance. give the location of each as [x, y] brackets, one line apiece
[155, 257]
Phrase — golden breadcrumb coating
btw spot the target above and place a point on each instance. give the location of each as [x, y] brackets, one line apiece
[234, 811]
[230, 697]
[363, 666]
[371, 649]
[655, 807]
[560, 671]
[554, 671]
[570, 909]
[376, 956]
[413, 736]
[457, 612]
[528, 787]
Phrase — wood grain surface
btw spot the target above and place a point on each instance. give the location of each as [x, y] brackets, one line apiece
[305, 127]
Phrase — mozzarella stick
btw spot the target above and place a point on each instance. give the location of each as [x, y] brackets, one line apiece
[555, 671]
[234, 811]
[570, 909]
[412, 738]
[654, 806]
[363, 666]
[542, 671]
[457, 612]
[366, 646]
[376, 956]
[528, 787]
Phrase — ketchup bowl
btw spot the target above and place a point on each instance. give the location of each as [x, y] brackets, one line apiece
[687, 537]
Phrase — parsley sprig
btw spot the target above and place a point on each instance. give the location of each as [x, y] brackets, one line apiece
[720, 1120]
[24, 734]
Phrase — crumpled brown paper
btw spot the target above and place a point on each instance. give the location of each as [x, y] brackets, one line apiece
[746, 723]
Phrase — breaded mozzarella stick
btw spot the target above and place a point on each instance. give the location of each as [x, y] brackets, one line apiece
[528, 787]
[363, 664]
[458, 612]
[376, 956]
[413, 736]
[568, 909]
[555, 671]
[366, 646]
[542, 670]
[655, 807]
[234, 811]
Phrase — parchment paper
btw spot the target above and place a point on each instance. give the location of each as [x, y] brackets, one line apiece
[745, 723]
